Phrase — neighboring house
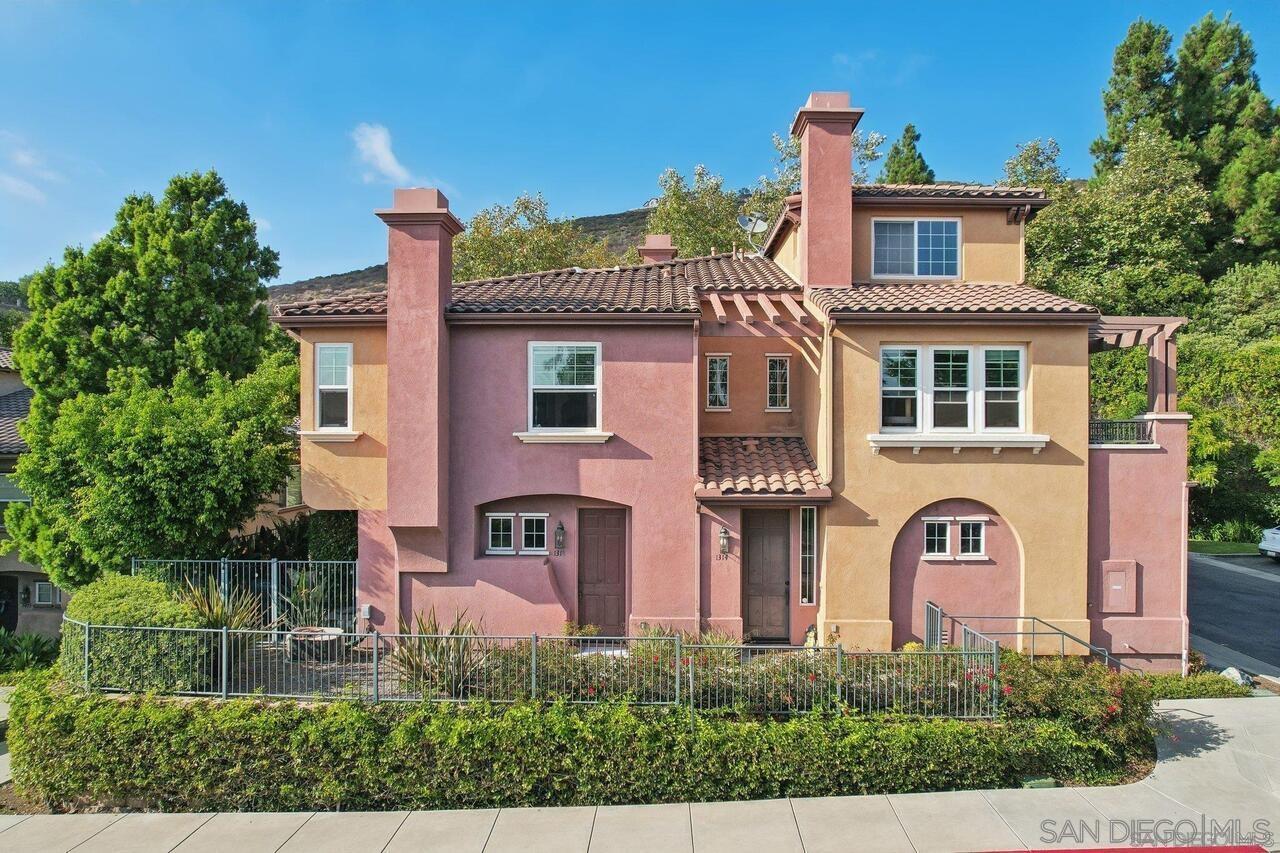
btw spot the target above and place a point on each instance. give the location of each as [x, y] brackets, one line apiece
[28, 601]
[872, 413]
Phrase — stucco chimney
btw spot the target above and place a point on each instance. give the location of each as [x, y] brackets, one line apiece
[824, 125]
[657, 248]
[419, 286]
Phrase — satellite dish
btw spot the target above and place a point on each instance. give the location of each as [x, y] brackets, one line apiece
[754, 225]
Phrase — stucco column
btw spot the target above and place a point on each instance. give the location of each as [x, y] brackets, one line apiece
[824, 125]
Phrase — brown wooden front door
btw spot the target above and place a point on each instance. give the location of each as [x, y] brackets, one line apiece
[766, 574]
[602, 570]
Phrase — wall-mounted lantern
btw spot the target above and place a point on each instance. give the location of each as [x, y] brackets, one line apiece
[724, 540]
[559, 536]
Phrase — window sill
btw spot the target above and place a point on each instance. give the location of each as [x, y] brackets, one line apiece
[563, 437]
[717, 409]
[334, 435]
[937, 558]
[543, 553]
[772, 409]
[499, 553]
[958, 441]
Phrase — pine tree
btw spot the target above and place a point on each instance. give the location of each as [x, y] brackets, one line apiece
[905, 164]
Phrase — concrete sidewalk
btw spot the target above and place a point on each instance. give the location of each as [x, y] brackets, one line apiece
[1221, 762]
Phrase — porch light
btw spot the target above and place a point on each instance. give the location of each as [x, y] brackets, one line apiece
[559, 535]
[724, 540]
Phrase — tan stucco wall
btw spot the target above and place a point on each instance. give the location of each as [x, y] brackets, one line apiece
[991, 247]
[748, 384]
[787, 255]
[1044, 497]
[350, 475]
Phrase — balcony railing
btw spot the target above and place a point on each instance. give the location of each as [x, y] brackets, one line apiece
[1135, 431]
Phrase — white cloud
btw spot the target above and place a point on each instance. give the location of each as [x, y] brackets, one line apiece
[17, 187]
[32, 164]
[263, 224]
[373, 144]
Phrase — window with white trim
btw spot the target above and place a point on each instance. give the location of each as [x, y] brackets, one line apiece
[333, 386]
[564, 387]
[953, 388]
[900, 388]
[973, 539]
[47, 594]
[717, 382]
[915, 248]
[779, 383]
[937, 538]
[808, 554]
[950, 390]
[533, 534]
[1002, 388]
[500, 533]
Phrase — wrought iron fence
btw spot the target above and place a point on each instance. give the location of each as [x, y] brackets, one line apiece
[306, 663]
[1135, 431]
[289, 593]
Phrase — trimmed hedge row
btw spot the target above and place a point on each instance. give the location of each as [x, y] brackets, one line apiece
[250, 755]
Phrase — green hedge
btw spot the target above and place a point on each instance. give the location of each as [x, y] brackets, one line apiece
[197, 755]
[1203, 685]
[332, 535]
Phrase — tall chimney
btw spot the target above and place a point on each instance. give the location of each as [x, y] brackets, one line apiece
[419, 286]
[824, 125]
[657, 248]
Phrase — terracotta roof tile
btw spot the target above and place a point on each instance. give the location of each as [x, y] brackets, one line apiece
[360, 304]
[944, 298]
[757, 465]
[947, 191]
[14, 406]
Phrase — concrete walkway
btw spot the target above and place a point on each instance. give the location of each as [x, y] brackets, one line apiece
[1221, 762]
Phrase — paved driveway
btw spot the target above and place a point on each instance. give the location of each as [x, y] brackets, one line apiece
[1234, 605]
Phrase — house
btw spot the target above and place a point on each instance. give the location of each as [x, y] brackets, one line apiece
[873, 412]
[28, 601]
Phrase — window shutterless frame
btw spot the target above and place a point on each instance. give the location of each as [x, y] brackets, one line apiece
[777, 383]
[500, 533]
[533, 529]
[900, 380]
[993, 371]
[334, 376]
[915, 247]
[44, 593]
[929, 389]
[717, 382]
[808, 554]
[596, 387]
[937, 537]
[973, 540]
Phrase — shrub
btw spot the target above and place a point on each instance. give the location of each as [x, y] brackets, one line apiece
[332, 535]
[125, 659]
[1202, 685]
[21, 652]
[197, 755]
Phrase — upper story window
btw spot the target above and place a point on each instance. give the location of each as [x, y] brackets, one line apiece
[564, 386]
[333, 386]
[953, 388]
[915, 248]
[718, 382]
[778, 392]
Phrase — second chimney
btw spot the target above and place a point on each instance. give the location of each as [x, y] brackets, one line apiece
[824, 125]
[656, 249]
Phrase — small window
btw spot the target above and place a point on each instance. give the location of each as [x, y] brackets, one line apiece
[951, 389]
[44, 593]
[333, 386]
[972, 534]
[717, 382]
[1002, 389]
[808, 553]
[899, 388]
[291, 491]
[564, 387]
[924, 248]
[779, 390]
[533, 534]
[937, 539]
[501, 534]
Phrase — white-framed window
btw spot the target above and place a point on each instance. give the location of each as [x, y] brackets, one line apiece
[564, 387]
[915, 248]
[291, 491]
[718, 382]
[533, 533]
[808, 554]
[953, 388]
[333, 386]
[973, 539]
[937, 538]
[778, 392]
[47, 594]
[500, 533]
[900, 388]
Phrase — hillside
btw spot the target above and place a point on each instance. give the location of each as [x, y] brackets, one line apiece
[620, 231]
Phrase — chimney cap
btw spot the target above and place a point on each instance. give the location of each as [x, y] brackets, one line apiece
[420, 206]
[826, 107]
[657, 248]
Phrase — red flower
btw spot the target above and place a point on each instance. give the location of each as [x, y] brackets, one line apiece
[1113, 708]
[655, 658]
[982, 688]
[1006, 690]
[812, 677]
[591, 691]
[968, 676]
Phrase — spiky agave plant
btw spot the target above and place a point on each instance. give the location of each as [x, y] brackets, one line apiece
[436, 660]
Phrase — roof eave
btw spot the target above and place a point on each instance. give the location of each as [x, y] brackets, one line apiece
[1036, 317]
[715, 496]
[508, 318]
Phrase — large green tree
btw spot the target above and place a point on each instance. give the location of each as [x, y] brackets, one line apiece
[905, 164]
[523, 237]
[701, 216]
[1036, 165]
[770, 190]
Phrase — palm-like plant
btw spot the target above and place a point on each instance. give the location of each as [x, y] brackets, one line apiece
[431, 659]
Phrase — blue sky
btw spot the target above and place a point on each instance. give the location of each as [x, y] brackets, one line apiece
[311, 112]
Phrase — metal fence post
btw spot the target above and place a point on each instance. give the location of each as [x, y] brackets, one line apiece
[133, 565]
[533, 667]
[224, 575]
[87, 628]
[377, 643]
[275, 593]
[223, 666]
[995, 677]
[839, 672]
[692, 728]
[677, 670]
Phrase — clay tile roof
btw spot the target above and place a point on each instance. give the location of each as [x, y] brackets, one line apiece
[757, 465]
[13, 408]
[945, 298]
[661, 288]
[959, 191]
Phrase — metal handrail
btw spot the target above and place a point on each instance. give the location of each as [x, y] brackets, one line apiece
[1063, 636]
[1125, 431]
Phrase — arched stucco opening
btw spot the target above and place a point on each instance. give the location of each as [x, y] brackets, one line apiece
[989, 585]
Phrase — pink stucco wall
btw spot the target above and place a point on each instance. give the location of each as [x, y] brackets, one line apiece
[648, 467]
[962, 587]
[1137, 511]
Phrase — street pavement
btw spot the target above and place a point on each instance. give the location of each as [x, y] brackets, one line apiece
[1218, 773]
[1234, 606]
